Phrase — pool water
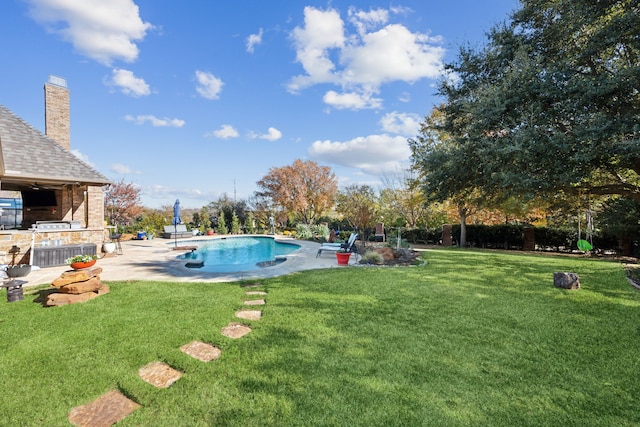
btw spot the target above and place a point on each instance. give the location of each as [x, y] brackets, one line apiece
[233, 254]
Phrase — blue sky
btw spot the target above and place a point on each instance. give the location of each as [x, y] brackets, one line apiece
[194, 99]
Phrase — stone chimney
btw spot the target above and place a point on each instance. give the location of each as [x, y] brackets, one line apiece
[57, 124]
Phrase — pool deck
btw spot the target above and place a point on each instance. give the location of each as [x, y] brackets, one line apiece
[155, 260]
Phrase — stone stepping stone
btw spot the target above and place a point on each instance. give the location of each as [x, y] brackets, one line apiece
[159, 374]
[255, 293]
[249, 314]
[104, 411]
[250, 285]
[235, 330]
[255, 302]
[201, 351]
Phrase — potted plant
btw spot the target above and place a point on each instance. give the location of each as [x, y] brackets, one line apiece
[342, 256]
[78, 262]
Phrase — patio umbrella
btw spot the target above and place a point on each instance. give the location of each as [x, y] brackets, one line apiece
[176, 219]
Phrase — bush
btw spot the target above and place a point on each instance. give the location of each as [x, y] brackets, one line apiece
[372, 257]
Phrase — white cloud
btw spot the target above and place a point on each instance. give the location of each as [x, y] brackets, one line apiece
[272, 134]
[82, 157]
[364, 20]
[253, 40]
[121, 169]
[361, 61]
[405, 124]
[323, 30]
[129, 84]
[225, 132]
[352, 100]
[101, 30]
[373, 154]
[155, 121]
[209, 86]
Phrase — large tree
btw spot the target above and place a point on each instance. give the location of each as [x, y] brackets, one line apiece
[304, 189]
[551, 103]
[447, 170]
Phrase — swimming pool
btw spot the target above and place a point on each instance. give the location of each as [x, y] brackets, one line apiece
[234, 254]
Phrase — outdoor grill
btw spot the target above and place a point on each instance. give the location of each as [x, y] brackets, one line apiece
[56, 225]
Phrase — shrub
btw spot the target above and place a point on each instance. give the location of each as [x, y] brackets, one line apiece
[372, 257]
[303, 231]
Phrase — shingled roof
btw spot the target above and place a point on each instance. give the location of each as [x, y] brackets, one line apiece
[27, 155]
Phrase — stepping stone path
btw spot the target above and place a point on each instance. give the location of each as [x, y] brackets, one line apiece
[201, 351]
[114, 406]
[159, 374]
[249, 314]
[104, 411]
[235, 330]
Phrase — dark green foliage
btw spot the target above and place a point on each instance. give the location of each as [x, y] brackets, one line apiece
[550, 104]
[419, 235]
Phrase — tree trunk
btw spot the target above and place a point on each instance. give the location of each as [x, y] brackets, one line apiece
[462, 212]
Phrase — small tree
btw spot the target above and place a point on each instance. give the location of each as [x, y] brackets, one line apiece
[358, 205]
[250, 226]
[222, 225]
[205, 221]
[235, 223]
[122, 203]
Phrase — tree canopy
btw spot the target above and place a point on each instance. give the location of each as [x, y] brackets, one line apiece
[550, 104]
[304, 189]
[122, 203]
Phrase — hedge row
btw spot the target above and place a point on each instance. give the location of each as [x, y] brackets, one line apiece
[511, 236]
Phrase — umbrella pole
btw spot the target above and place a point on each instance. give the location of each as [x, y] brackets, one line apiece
[175, 235]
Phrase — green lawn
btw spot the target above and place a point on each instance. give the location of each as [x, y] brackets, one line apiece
[471, 338]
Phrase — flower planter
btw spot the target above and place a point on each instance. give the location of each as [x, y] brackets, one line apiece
[109, 247]
[343, 258]
[81, 265]
[209, 232]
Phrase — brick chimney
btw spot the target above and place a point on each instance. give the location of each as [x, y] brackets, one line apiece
[57, 124]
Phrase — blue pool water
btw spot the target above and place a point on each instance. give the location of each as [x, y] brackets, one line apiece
[232, 254]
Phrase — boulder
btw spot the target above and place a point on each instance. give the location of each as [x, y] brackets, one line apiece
[90, 285]
[57, 299]
[73, 276]
[566, 280]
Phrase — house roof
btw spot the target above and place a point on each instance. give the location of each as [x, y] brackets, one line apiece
[29, 156]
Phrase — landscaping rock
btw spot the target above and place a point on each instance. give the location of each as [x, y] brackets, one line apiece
[255, 302]
[104, 411]
[57, 299]
[159, 374]
[90, 285]
[249, 314]
[73, 276]
[235, 330]
[201, 351]
[566, 280]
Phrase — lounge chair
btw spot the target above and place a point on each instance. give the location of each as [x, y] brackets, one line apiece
[351, 236]
[176, 231]
[349, 246]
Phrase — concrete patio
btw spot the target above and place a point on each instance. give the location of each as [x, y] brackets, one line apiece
[155, 260]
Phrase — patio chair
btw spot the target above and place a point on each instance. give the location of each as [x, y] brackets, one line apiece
[349, 246]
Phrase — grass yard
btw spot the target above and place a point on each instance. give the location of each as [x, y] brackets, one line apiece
[472, 338]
